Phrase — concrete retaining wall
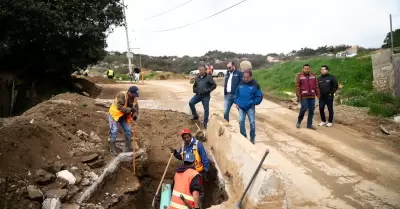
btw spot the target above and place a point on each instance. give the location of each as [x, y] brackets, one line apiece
[384, 71]
[238, 159]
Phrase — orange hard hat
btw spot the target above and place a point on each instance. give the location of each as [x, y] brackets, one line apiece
[184, 131]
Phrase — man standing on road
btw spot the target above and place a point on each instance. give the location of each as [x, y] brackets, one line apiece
[137, 74]
[328, 86]
[247, 96]
[306, 91]
[232, 80]
[192, 145]
[122, 111]
[186, 183]
[203, 85]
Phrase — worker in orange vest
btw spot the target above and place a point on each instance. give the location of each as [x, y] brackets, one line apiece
[186, 187]
[123, 110]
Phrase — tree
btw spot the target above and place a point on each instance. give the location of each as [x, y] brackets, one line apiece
[47, 35]
[396, 39]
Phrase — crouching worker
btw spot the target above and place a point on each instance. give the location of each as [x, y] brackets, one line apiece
[196, 147]
[123, 110]
[186, 187]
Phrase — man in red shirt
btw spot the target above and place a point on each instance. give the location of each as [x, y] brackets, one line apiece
[306, 91]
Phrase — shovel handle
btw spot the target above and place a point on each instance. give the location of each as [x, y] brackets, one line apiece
[162, 178]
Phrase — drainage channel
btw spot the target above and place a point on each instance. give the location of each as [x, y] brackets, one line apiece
[119, 188]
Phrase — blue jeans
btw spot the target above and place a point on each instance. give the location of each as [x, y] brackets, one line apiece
[307, 104]
[227, 105]
[206, 105]
[251, 114]
[114, 129]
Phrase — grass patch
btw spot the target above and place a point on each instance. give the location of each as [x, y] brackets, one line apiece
[126, 77]
[354, 73]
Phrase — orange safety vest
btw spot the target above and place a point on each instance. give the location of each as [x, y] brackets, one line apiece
[182, 187]
[116, 114]
[198, 164]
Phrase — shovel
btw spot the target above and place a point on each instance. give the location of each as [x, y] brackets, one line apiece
[162, 179]
[185, 201]
[238, 205]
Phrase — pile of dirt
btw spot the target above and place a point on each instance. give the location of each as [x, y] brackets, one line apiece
[169, 75]
[85, 86]
[51, 136]
[100, 79]
[69, 132]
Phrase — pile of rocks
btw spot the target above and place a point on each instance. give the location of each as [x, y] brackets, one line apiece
[56, 183]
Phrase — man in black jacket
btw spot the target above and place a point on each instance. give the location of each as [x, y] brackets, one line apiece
[328, 86]
[202, 87]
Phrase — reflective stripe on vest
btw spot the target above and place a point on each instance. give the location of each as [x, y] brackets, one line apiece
[308, 85]
[198, 163]
[115, 113]
[182, 183]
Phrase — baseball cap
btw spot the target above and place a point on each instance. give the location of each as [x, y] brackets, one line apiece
[134, 90]
[189, 157]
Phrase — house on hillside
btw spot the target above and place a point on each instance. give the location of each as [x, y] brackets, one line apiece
[273, 59]
[350, 52]
[290, 54]
[111, 53]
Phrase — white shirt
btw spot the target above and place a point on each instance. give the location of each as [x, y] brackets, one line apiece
[229, 84]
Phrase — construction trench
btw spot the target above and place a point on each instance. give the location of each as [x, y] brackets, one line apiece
[230, 170]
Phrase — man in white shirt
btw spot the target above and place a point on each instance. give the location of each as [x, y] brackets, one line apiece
[232, 80]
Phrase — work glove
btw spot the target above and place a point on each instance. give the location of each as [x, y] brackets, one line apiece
[134, 117]
[172, 150]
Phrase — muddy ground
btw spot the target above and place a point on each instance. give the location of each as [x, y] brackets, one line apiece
[157, 131]
[59, 133]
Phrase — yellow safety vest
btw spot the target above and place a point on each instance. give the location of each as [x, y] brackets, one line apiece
[115, 113]
[110, 73]
[198, 164]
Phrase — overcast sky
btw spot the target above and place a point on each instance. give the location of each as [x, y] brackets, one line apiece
[255, 26]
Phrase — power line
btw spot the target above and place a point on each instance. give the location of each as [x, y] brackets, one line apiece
[168, 10]
[205, 18]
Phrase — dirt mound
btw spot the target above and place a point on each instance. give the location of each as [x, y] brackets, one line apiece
[100, 79]
[60, 130]
[83, 84]
[158, 130]
[58, 133]
[169, 75]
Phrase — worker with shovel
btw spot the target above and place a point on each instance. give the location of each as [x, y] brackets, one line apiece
[186, 186]
[196, 147]
[123, 110]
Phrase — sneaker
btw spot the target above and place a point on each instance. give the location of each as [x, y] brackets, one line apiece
[312, 127]
[297, 125]
[322, 124]
[195, 118]
[329, 125]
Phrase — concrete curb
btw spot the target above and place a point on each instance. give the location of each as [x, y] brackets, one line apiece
[110, 169]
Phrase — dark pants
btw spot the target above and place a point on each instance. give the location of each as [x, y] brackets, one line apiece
[307, 104]
[202, 195]
[328, 101]
[205, 100]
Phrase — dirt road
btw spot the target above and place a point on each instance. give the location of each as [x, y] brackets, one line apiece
[327, 168]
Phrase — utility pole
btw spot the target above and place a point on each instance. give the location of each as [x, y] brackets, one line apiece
[128, 53]
[391, 36]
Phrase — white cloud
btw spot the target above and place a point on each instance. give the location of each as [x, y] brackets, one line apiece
[255, 26]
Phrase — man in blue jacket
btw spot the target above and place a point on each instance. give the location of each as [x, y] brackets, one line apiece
[232, 80]
[247, 96]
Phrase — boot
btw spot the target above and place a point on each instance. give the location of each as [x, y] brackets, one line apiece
[113, 146]
[128, 145]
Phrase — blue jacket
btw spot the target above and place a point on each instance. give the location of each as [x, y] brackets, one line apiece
[248, 95]
[236, 79]
[201, 150]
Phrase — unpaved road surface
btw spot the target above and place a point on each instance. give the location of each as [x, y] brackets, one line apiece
[328, 168]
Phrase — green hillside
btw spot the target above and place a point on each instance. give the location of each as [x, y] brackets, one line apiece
[354, 74]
